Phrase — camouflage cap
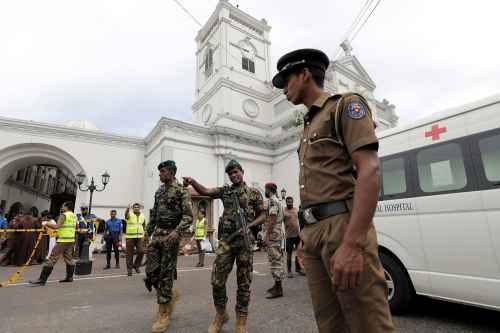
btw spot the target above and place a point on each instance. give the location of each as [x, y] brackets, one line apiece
[233, 164]
[167, 164]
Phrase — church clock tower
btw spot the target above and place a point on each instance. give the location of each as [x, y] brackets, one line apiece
[233, 69]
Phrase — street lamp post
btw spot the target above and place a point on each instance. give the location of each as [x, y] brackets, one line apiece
[84, 264]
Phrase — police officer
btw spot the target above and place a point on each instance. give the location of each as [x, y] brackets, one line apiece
[339, 185]
[66, 226]
[249, 199]
[171, 215]
[273, 240]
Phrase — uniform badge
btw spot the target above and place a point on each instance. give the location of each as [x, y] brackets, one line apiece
[356, 110]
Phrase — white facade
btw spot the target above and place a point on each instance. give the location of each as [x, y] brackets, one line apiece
[237, 114]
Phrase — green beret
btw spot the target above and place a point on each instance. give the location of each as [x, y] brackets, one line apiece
[167, 164]
[233, 164]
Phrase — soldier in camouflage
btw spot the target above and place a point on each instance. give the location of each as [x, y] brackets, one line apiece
[274, 239]
[250, 199]
[171, 215]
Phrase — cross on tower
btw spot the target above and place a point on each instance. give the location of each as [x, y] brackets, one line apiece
[435, 132]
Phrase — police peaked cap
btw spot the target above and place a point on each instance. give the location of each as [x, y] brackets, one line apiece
[299, 59]
[233, 164]
[167, 164]
[272, 186]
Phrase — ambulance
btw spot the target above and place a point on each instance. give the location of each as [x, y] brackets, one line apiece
[438, 215]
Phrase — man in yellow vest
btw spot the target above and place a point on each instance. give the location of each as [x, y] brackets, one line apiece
[200, 232]
[134, 236]
[66, 226]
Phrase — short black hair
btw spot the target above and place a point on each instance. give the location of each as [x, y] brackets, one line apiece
[113, 211]
[136, 204]
[289, 198]
[317, 74]
[68, 204]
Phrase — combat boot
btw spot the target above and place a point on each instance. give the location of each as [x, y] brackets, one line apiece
[271, 290]
[161, 324]
[70, 270]
[278, 292]
[173, 302]
[241, 322]
[44, 275]
[221, 317]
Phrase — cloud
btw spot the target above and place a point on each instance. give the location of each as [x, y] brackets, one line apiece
[124, 64]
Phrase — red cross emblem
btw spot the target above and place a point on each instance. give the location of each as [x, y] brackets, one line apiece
[435, 132]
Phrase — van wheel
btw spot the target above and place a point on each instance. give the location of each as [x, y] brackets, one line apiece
[400, 290]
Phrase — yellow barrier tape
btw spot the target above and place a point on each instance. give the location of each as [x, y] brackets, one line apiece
[24, 267]
[32, 230]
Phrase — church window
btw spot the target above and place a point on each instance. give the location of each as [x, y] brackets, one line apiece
[248, 64]
[209, 62]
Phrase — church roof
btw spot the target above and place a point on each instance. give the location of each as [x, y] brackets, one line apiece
[82, 124]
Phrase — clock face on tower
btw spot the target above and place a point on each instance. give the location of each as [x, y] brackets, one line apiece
[206, 114]
[251, 108]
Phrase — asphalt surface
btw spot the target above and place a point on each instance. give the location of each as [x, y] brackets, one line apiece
[109, 301]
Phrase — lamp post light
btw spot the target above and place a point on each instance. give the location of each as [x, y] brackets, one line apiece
[92, 187]
[84, 265]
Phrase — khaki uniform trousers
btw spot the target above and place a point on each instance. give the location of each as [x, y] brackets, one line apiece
[364, 309]
[62, 249]
[134, 245]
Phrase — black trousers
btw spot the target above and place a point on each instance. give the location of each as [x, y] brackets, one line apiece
[80, 241]
[112, 244]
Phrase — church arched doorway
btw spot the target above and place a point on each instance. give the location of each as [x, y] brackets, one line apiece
[37, 175]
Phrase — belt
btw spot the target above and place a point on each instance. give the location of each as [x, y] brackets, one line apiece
[320, 212]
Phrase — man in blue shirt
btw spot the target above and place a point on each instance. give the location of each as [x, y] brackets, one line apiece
[3, 225]
[112, 236]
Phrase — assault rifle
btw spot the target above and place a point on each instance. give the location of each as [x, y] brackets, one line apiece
[242, 224]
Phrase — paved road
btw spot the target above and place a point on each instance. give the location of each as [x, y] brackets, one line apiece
[109, 301]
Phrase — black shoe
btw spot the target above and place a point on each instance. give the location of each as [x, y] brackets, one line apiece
[117, 266]
[300, 272]
[129, 273]
[44, 275]
[290, 275]
[137, 270]
[70, 270]
[107, 267]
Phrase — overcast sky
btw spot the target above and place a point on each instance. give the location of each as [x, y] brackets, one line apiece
[123, 64]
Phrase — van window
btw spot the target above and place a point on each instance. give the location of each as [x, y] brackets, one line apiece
[490, 156]
[441, 168]
[393, 176]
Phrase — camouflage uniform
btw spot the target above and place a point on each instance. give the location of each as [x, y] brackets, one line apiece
[250, 199]
[274, 251]
[171, 211]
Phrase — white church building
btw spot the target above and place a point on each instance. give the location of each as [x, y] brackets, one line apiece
[236, 114]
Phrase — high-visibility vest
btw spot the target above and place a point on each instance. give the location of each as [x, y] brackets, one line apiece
[200, 229]
[134, 226]
[66, 232]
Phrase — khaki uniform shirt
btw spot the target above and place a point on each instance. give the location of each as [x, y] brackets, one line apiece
[326, 168]
[292, 227]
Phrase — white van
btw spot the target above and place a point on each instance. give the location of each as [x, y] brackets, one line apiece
[438, 217]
